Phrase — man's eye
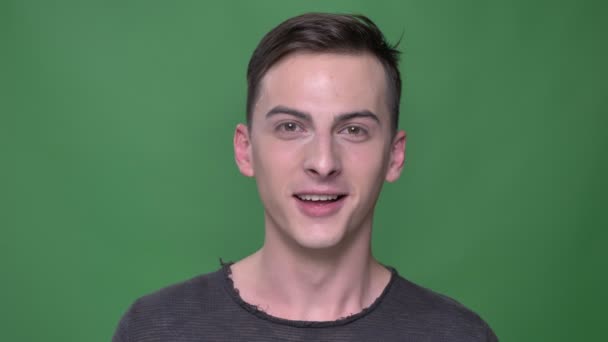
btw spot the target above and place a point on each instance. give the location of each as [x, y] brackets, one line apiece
[289, 127]
[355, 133]
[354, 130]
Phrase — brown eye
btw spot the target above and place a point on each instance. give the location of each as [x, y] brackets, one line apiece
[355, 133]
[354, 130]
[289, 127]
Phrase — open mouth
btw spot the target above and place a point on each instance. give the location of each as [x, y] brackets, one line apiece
[319, 205]
[319, 198]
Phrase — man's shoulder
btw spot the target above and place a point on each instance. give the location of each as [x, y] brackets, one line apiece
[176, 305]
[421, 308]
[422, 300]
[201, 290]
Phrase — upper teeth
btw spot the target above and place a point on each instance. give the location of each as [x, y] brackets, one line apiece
[318, 197]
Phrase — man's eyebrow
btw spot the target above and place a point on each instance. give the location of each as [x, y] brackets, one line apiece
[306, 116]
[355, 115]
[290, 111]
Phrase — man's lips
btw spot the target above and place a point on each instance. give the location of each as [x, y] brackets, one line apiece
[319, 204]
[319, 197]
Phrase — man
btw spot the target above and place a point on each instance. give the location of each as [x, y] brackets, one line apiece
[321, 138]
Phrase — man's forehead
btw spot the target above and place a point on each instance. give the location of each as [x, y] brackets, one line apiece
[327, 82]
[359, 64]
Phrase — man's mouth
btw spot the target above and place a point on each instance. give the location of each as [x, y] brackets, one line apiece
[319, 198]
[319, 205]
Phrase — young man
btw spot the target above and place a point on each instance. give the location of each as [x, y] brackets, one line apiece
[321, 138]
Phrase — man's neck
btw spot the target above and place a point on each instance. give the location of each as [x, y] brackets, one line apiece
[307, 285]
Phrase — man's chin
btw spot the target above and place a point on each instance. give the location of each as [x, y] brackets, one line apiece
[321, 241]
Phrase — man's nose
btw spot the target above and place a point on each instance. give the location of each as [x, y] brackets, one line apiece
[323, 160]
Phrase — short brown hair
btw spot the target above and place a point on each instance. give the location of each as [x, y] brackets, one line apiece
[325, 32]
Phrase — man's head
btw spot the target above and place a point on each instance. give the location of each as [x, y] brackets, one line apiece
[325, 33]
[321, 136]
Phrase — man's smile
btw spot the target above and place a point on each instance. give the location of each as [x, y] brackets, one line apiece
[319, 198]
[319, 205]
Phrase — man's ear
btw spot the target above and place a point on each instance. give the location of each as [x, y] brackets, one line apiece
[397, 157]
[242, 150]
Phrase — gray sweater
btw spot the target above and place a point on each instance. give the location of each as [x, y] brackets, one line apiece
[209, 308]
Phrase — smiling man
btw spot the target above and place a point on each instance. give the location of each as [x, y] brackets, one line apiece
[321, 139]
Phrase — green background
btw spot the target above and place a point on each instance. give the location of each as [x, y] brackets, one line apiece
[117, 174]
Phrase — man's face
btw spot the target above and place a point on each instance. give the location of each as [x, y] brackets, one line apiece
[320, 146]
